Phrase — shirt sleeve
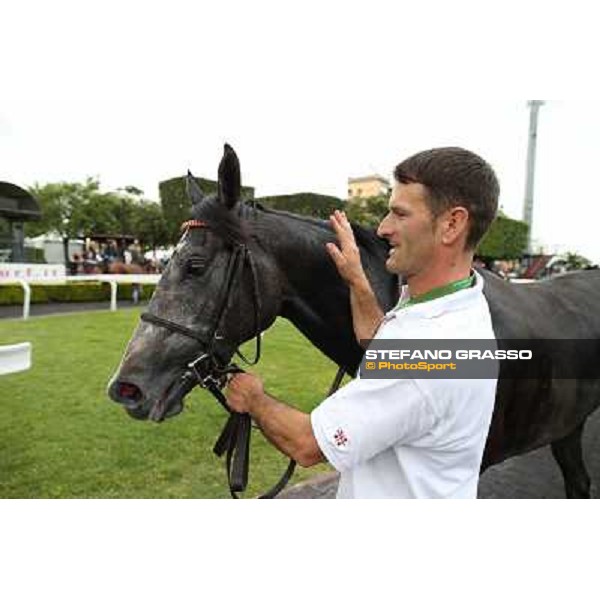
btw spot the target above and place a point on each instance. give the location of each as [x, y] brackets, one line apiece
[368, 416]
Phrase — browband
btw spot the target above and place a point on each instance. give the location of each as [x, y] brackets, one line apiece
[193, 224]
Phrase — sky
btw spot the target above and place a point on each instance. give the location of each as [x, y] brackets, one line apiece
[308, 94]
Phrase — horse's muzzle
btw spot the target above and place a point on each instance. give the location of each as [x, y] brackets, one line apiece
[131, 397]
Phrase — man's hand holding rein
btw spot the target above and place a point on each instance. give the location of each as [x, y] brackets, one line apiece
[287, 428]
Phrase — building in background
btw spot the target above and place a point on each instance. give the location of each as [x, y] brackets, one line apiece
[368, 186]
[16, 206]
[49, 247]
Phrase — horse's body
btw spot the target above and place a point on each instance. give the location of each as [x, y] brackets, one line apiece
[529, 413]
[297, 280]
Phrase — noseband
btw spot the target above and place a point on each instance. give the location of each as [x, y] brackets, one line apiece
[209, 372]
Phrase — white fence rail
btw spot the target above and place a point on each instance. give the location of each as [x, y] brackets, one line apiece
[26, 293]
[112, 280]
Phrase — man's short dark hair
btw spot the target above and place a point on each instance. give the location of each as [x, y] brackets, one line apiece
[455, 177]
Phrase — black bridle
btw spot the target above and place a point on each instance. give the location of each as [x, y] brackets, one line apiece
[209, 372]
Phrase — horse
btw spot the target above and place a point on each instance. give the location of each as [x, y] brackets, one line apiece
[120, 268]
[238, 266]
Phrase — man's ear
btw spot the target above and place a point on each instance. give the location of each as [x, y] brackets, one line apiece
[455, 224]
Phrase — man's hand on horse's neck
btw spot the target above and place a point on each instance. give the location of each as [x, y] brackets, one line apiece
[366, 312]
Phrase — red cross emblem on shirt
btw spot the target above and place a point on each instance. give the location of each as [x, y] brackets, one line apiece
[340, 438]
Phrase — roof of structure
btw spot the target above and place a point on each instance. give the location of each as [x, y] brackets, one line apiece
[375, 177]
[17, 203]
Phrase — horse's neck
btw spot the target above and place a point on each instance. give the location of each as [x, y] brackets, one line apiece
[315, 298]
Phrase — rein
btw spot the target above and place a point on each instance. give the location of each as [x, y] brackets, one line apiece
[208, 372]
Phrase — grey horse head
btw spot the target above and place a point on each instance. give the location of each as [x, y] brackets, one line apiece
[191, 294]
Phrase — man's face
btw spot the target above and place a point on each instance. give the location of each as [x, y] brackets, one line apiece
[410, 229]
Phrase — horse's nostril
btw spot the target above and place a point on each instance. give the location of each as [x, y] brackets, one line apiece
[129, 391]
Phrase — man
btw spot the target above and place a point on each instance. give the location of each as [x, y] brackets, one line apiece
[404, 438]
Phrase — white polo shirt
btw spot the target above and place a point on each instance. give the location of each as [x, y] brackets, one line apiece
[413, 438]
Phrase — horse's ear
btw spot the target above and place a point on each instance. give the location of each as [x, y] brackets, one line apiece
[229, 178]
[193, 189]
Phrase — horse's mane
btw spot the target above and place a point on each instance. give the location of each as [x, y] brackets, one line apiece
[235, 226]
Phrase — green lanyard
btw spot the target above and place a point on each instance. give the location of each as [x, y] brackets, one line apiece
[438, 292]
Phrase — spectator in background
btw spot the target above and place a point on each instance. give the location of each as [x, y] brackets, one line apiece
[479, 263]
[110, 253]
[133, 253]
[91, 259]
[137, 256]
[127, 256]
[76, 264]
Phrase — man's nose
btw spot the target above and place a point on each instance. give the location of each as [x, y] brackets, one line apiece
[383, 229]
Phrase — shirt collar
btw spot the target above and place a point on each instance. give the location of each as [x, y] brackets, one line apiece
[437, 306]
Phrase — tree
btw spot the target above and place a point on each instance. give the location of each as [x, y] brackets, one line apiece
[150, 225]
[98, 214]
[368, 212]
[505, 239]
[576, 262]
[74, 210]
[134, 191]
[62, 205]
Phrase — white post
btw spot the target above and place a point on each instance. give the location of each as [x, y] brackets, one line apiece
[534, 107]
[113, 295]
[26, 297]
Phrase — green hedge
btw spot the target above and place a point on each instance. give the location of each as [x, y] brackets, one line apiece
[304, 203]
[70, 292]
[176, 205]
[505, 239]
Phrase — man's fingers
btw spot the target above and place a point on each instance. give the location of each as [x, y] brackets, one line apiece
[342, 230]
[333, 219]
[344, 219]
[334, 252]
[338, 219]
[235, 380]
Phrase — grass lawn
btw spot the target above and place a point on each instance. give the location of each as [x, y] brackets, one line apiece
[61, 437]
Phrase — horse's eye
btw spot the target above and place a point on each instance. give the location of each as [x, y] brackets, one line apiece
[195, 265]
